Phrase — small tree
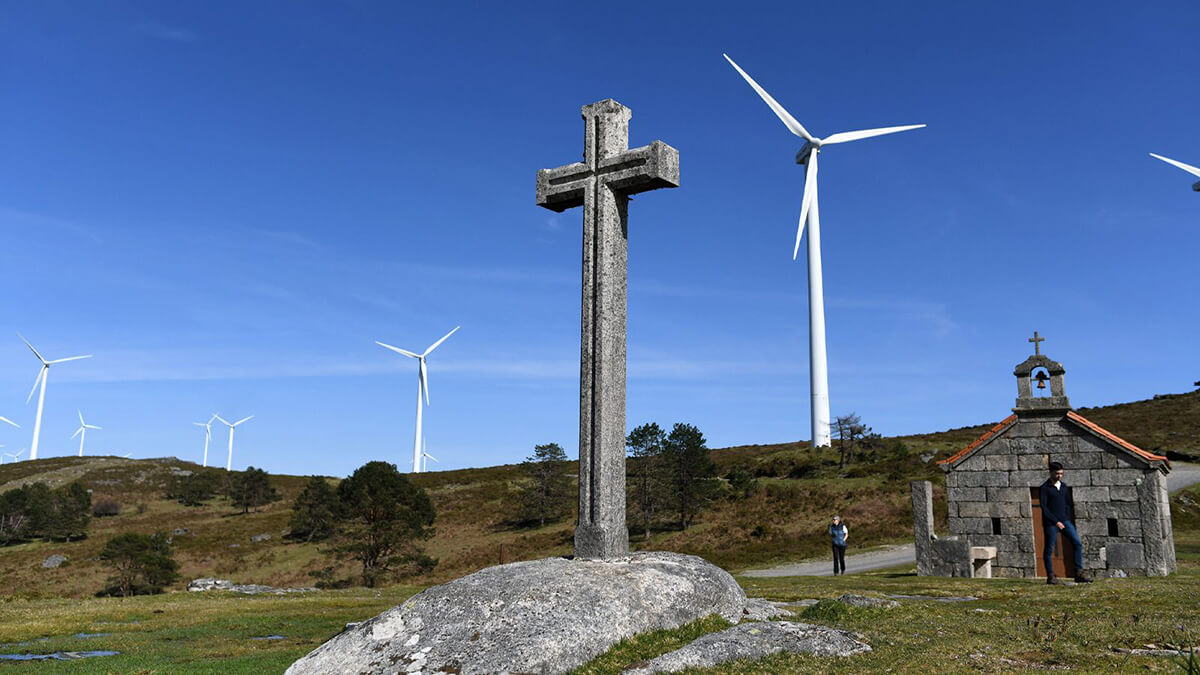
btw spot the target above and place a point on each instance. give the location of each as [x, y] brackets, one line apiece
[142, 563]
[689, 471]
[194, 488]
[546, 495]
[313, 512]
[645, 445]
[848, 429]
[381, 515]
[250, 489]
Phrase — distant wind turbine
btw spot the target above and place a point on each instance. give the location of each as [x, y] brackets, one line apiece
[232, 426]
[809, 212]
[422, 390]
[1186, 167]
[81, 432]
[41, 378]
[126, 455]
[207, 434]
[424, 456]
[15, 456]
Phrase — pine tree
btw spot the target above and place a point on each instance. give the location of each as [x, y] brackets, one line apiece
[645, 445]
[546, 494]
[250, 489]
[142, 563]
[690, 471]
[313, 512]
[381, 516]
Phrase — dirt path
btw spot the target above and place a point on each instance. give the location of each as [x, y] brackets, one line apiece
[1182, 475]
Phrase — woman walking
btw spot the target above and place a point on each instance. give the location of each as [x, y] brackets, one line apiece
[838, 533]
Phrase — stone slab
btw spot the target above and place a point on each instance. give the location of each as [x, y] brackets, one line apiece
[754, 641]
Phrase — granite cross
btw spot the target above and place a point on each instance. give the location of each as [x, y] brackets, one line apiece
[602, 183]
[1037, 347]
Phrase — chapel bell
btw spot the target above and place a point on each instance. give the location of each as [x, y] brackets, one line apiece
[1041, 378]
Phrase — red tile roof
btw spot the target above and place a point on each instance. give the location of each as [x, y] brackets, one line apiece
[1113, 438]
[980, 441]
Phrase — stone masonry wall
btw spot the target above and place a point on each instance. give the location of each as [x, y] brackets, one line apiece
[991, 487]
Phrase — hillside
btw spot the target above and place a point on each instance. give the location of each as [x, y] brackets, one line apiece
[783, 518]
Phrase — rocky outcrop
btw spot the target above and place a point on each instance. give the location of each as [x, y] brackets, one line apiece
[865, 601]
[210, 584]
[542, 616]
[53, 561]
[754, 641]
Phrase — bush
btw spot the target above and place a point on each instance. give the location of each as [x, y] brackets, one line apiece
[142, 564]
[106, 507]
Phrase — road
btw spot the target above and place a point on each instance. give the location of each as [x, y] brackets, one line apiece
[1182, 475]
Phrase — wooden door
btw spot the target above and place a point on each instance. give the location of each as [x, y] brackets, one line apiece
[1063, 559]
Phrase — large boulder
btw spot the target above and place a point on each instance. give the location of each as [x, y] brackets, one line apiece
[541, 616]
[754, 641]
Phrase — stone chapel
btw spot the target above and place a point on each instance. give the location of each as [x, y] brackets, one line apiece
[1121, 506]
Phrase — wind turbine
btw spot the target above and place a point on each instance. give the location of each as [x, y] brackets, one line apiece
[18, 454]
[422, 389]
[424, 456]
[207, 434]
[809, 212]
[81, 432]
[1186, 167]
[232, 426]
[42, 375]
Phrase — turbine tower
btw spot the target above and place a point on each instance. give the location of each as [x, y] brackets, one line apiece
[81, 432]
[207, 435]
[41, 378]
[809, 212]
[422, 390]
[1186, 167]
[232, 426]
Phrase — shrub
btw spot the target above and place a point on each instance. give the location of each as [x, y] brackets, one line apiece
[195, 488]
[142, 564]
[106, 507]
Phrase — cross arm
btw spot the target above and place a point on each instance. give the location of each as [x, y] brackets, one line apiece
[649, 167]
[562, 188]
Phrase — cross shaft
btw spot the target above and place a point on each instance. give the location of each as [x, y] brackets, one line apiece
[602, 183]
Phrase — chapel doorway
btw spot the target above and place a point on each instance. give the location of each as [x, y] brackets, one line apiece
[1063, 559]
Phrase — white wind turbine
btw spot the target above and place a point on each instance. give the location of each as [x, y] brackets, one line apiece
[1186, 167]
[422, 390]
[207, 434]
[15, 456]
[818, 368]
[232, 426]
[81, 432]
[42, 375]
[425, 455]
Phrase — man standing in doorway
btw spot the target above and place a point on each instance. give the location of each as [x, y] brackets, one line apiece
[1058, 515]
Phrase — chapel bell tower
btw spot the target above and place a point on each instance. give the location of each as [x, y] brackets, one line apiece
[1032, 375]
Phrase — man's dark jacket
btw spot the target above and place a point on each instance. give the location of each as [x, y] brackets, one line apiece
[1058, 505]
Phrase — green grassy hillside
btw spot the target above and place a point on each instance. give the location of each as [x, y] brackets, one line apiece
[783, 518]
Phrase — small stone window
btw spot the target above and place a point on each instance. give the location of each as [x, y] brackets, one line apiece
[996, 526]
[1112, 528]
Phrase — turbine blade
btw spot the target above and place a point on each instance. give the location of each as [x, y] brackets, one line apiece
[69, 358]
[37, 380]
[80, 416]
[8, 421]
[200, 424]
[398, 350]
[92, 426]
[77, 432]
[432, 457]
[847, 136]
[788, 121]
[221, 419]
[35, 352]
[424, 381]
[810, 189]
[435, 345]
[1186, 167]
[244, 419]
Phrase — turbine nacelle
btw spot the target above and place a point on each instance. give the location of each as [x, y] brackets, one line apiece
[807, 150]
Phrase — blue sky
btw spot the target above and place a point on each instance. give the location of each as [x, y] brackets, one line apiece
[228, 203]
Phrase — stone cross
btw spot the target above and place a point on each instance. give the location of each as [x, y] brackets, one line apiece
[602, 183]
[1037, 348]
